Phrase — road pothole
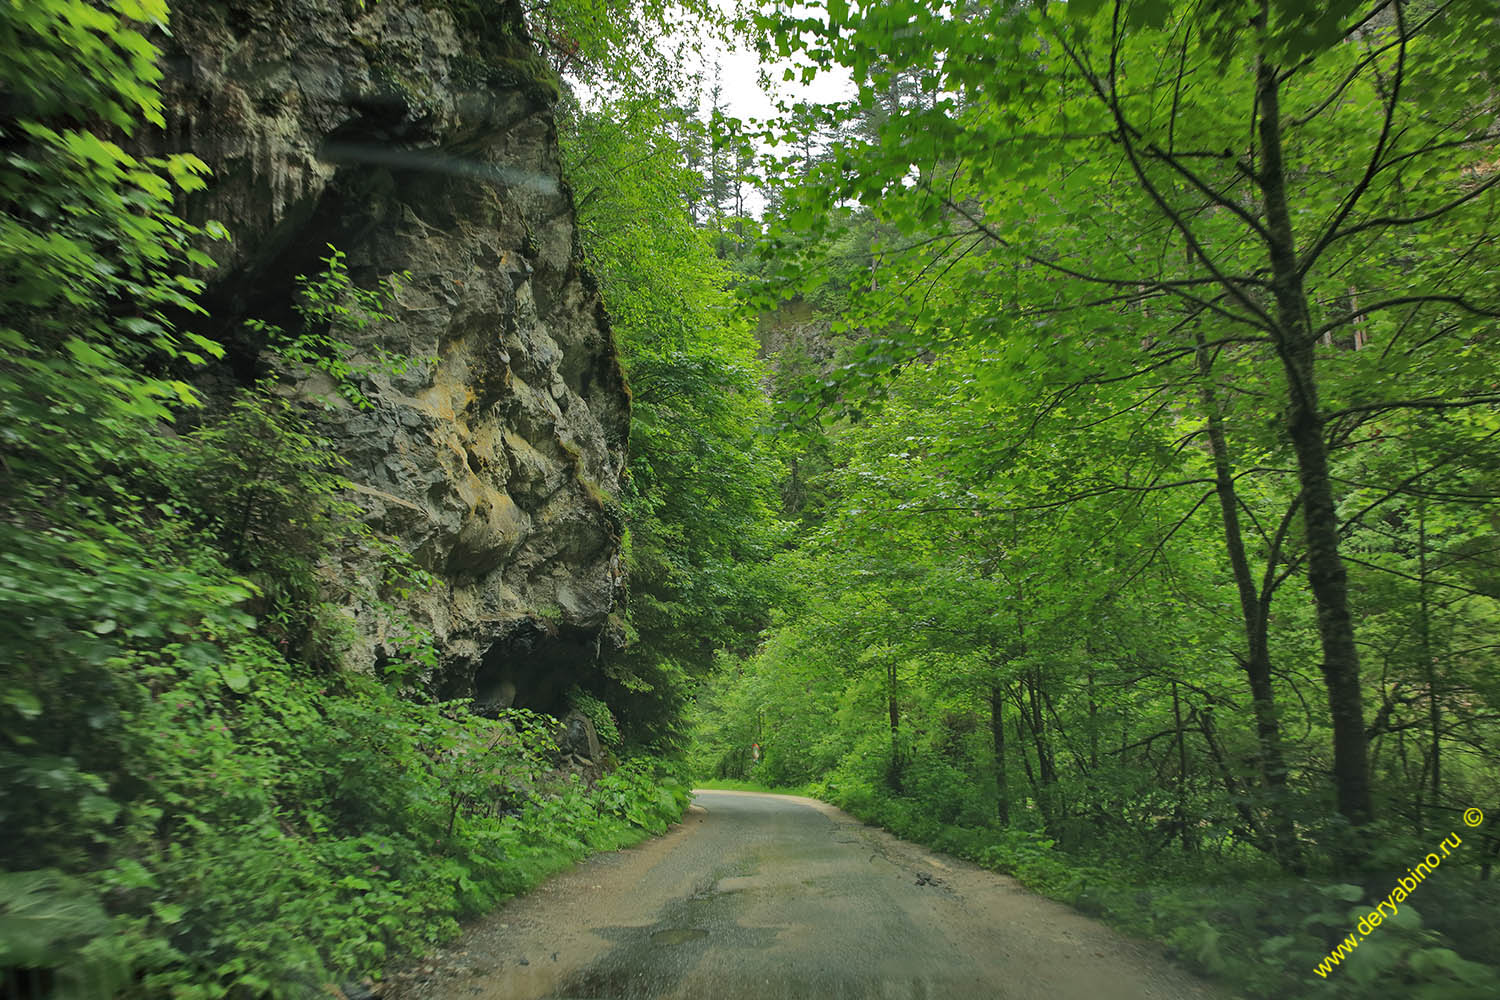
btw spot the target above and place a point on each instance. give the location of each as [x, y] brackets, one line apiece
[678, 935]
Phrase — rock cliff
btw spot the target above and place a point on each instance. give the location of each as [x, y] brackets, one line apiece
[417, 136]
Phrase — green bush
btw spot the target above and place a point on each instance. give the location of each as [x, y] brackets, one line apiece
[599, 714]
[286, 829]
[196, 803]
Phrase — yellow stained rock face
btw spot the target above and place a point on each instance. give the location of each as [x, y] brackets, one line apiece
[487, 459]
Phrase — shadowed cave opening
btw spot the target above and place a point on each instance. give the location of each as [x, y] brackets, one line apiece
[532, 666]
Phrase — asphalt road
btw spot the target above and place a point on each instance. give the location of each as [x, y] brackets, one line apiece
[769, 897]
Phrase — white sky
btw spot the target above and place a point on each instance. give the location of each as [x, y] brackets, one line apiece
[737, 70]
[738, 73]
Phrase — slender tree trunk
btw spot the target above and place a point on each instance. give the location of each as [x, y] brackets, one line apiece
[893, 777]
[1424, 640]
[1093, 724]
[1492, 830]
[1326, 575]
[1406, 775]
[997, 733]
[1270, 761]
[1181, 808]
[1046, 773]
[1044, 763]
[1231, 786]
[1025, 759]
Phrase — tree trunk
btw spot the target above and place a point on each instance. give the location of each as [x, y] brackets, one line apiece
[997, 733]
[1093, 724]
[1021, 749]
[1181, 807]
[1326, 575]
[893, 776]
[1231, 786]
[1046, 773]
[1270, 761]
[1424, 640]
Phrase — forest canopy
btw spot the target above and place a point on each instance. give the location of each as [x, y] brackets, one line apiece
[1146, 493]
[1077, 448]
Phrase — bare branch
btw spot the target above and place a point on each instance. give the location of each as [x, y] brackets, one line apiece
[1424, 403]
[1410, 220]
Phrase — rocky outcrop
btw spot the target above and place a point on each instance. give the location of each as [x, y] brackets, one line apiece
[417, 136]
[576, 737]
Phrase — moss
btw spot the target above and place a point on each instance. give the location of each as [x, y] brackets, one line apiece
[368, 44]
[270, 104]
[494, 26]
[609, 506]
[529, 74]
[606, 504]
[614, 513]
[575, 252]
[596, 495]
[502, 58]
[469, 73]
[398, 89]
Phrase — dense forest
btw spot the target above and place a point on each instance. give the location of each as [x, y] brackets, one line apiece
[1076, 448]
[1140, 359]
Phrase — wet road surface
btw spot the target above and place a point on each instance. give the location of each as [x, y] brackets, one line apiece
[769, 897]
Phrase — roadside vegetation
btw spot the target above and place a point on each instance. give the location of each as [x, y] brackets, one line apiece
[1141, 366]
[198, 802]
[738, 785]
[1077, 451]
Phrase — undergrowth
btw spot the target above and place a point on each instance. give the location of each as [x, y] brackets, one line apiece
[198, 800]
[1244, 923]
[285, 831]
[201, 804]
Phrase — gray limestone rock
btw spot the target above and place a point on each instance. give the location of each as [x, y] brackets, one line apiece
[576, 736]
[421, 142]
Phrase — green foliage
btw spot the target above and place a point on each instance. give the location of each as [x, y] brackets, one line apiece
[699, 497]
[345, 823]
[49, 921]
[633, 45]
[95, 260]
[265, 488]
[945, 571]
[1093, 451]
[271, 830]
[1144, 462]
[598, 713]
[196, 803]
[335, 312]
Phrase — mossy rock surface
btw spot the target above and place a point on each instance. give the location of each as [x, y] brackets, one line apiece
[503, 57]
[457, 463]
